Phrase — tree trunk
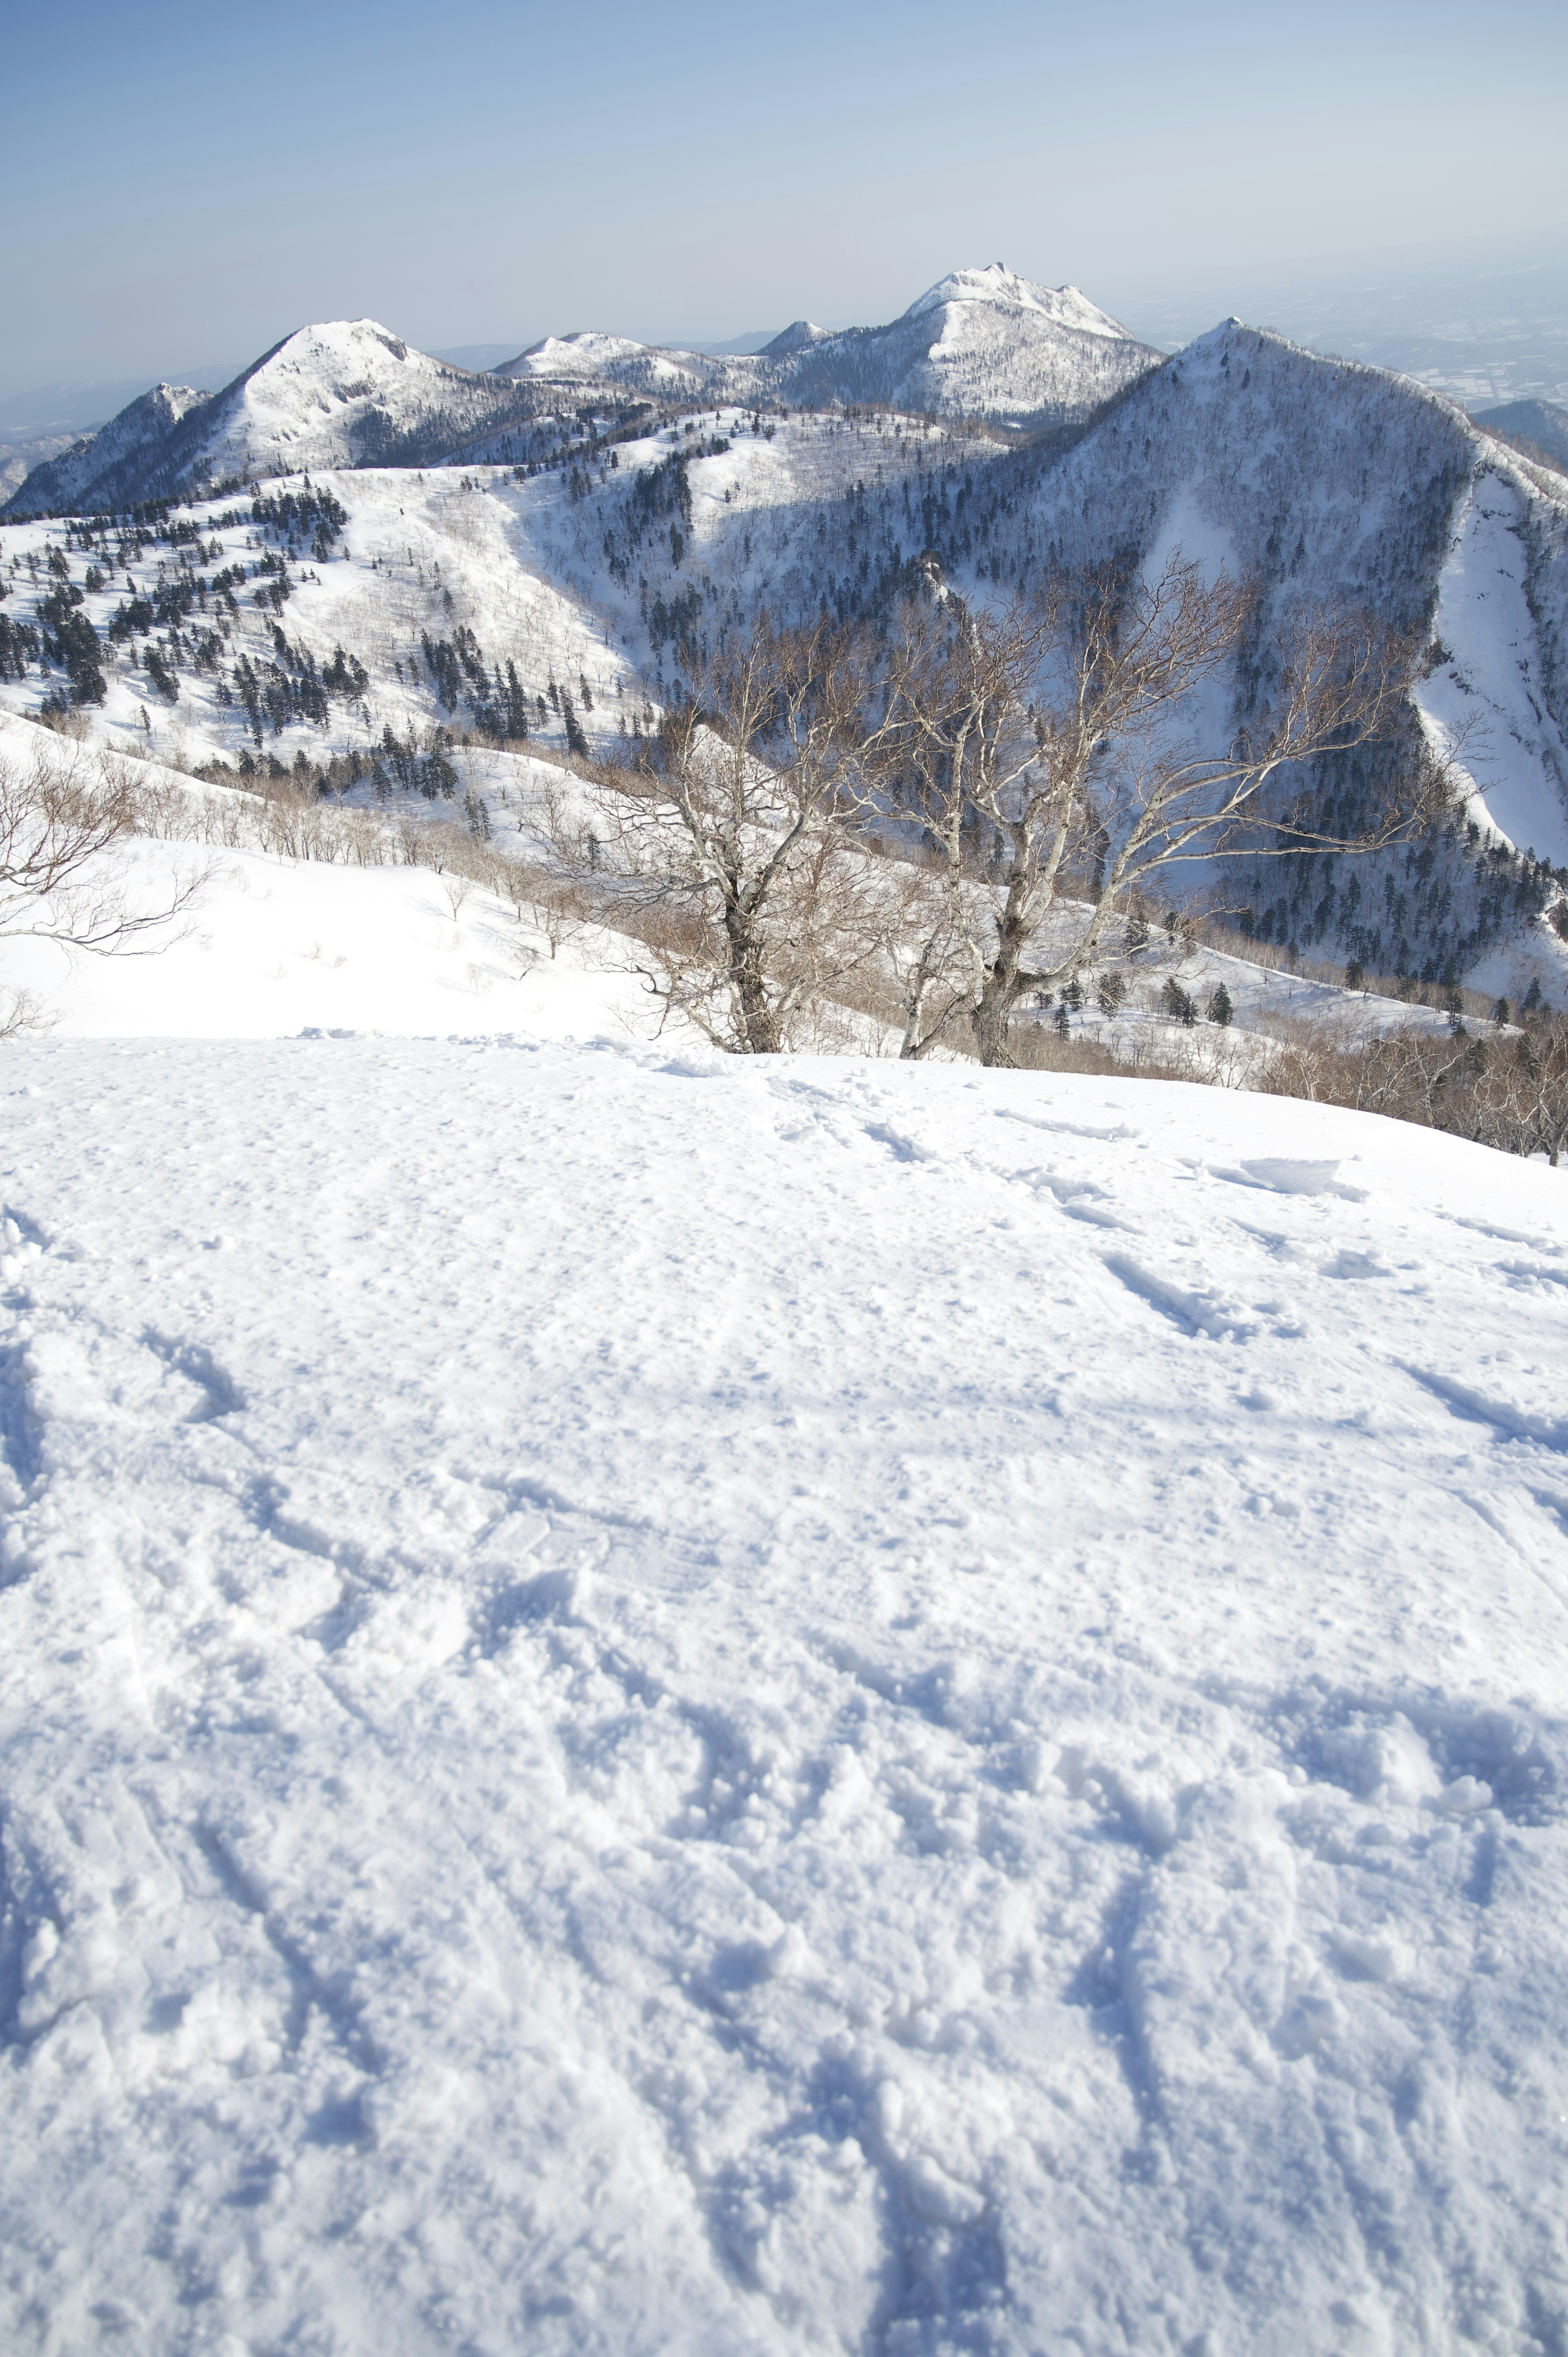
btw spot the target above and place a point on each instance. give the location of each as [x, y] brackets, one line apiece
[1002, 990]
[759, 1025]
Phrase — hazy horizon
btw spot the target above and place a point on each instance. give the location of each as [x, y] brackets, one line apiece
[1396, 317]
[698, 178]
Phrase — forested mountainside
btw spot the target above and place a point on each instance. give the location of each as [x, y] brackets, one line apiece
[1538, 429]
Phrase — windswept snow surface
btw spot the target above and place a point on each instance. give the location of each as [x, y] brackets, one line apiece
[657, 1705]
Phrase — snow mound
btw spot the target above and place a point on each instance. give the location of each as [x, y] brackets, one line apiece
[652, 1705]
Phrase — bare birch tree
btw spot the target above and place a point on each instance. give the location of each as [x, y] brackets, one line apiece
[1053, 752]
[727, 845]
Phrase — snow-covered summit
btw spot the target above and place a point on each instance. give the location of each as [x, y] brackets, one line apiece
[340, 392]
[590, 356]
[979, 343]
[798, 337]
[996, 285]
[1339, 484]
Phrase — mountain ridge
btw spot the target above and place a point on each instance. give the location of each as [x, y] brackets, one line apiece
[981, 343]
[977, 343]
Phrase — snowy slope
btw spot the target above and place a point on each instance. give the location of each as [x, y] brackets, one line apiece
[1340, 486]
[426, 553]
[1489, 699]
[423, 556]
[369, 927]
[653, 1706]
[275, 948]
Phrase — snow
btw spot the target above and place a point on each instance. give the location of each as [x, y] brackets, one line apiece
[138, 428]
[1486, 704]
[348, 392]
[978, 343]
[1333, 483]
[998, 285]
[662, 1705]
[337, 393]
[276, 947]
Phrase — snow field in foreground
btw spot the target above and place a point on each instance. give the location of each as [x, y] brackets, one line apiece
[274, 947]
[657, 1705]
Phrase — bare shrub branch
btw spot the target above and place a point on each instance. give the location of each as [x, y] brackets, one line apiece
[59, 813]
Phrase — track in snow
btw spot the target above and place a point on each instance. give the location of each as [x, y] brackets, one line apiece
[668, 1706]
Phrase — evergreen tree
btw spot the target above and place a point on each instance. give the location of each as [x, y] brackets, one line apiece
[1220, 1007]
[164, 681]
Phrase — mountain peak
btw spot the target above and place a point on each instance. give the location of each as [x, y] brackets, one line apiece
[1003, 289]
[994, 284]
[798, 337]
[336, 340]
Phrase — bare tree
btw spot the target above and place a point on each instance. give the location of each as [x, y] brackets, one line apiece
[1509, 1092]
[727, 847]
[1054, 755]
[59, 813]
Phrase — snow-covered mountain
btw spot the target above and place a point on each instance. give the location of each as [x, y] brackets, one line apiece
[85, 474]
[20, 456]
[1341, 484]
[1538, 428]
[980, 344]
[346, 393]
[1330, 481]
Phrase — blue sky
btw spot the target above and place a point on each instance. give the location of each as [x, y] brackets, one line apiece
[187, 183]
